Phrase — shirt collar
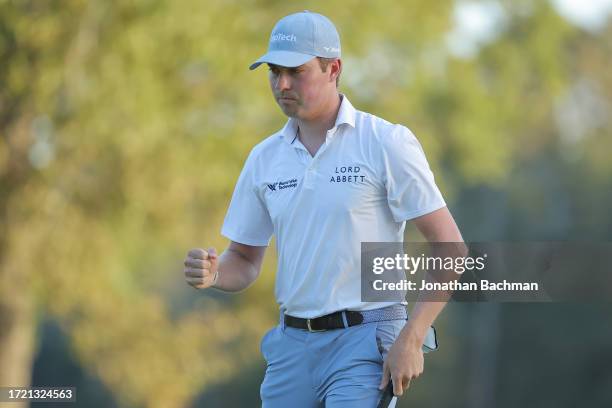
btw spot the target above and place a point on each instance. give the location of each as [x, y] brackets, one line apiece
[346, 115]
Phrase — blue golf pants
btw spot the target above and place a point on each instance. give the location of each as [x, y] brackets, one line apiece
[331, 369]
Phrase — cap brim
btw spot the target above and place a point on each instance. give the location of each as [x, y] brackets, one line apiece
[283, 58]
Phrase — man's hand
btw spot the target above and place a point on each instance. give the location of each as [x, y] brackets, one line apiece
[201, 268]
[404, 363]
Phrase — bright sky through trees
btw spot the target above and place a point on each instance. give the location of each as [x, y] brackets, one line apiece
[477, 22]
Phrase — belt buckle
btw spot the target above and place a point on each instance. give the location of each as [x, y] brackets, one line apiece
[310, 329]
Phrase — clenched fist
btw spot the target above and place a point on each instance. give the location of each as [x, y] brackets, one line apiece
[201, 268]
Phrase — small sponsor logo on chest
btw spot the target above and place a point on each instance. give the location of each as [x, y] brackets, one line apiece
[347, 174]
[281, 185]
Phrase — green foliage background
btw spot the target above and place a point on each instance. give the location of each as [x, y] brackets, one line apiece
[124, 125]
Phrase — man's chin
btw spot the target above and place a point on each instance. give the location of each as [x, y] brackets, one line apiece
[289, 111]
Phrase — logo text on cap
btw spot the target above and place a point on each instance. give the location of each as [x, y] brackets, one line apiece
[283, 37]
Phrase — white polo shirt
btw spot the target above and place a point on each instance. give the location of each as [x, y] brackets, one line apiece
[364, 182]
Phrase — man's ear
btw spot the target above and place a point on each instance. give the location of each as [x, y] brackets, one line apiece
[335, 69]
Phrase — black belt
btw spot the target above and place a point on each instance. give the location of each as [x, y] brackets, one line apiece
[327, 322]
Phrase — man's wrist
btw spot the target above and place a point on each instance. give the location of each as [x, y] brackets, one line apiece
[215, 279]
[411, 336]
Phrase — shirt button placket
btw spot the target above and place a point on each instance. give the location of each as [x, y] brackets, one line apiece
[310, 176]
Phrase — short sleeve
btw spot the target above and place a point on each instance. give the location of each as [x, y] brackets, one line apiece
[247, 220]
[410, 184]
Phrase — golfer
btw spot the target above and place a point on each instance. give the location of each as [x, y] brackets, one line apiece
[331, 178]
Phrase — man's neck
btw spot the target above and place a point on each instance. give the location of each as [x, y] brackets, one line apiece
[315, 130]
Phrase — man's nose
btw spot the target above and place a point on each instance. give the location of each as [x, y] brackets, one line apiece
[283, 82]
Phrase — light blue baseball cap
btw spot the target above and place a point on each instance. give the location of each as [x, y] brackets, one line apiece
[298, 38]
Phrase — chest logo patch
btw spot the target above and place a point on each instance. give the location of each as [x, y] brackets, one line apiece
[347, 174]
[281, 185]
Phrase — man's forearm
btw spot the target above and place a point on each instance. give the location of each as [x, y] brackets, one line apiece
[235, 272]
[430, 303]
[422, 316]
[427, 308]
